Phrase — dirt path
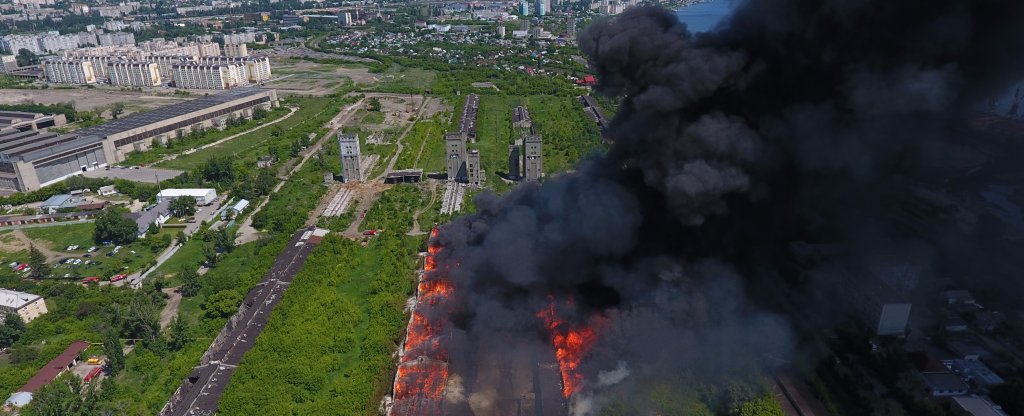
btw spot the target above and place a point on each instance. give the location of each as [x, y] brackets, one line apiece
[398, 142]
[171, 310]
[416, 216]
[246, 233]
[231, 137]
[423, 146]
[51, 256]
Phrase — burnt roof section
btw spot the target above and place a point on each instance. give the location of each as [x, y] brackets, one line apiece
[56, 366]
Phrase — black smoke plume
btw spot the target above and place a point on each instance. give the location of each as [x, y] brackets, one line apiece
[794, 122]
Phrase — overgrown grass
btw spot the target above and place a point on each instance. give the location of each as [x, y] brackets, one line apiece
[328, 346]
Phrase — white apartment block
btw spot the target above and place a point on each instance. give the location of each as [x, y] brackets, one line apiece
[8, 63]
[26, 305]
[166, 62]
[69, 71]
[257, 68]
[57, 43]
[239, 38]
[204, 76]
[239, 50]
[12, 44]
[134, 74]
[209, 49]
[116, 38]
[99, 65]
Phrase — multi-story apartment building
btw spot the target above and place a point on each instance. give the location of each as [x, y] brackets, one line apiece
[166, 62]
[56, 43]
[239, 50]
[116, 38]
[12, 44]
[193, 75]
[69, 71]
[256, 68]
[134, 74]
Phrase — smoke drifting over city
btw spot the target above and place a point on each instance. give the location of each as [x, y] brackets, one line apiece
[794, 121]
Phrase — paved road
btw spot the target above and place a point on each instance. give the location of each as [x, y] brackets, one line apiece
[210, 214]
[200, 392]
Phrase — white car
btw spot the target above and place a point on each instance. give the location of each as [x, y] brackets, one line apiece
[92, 249]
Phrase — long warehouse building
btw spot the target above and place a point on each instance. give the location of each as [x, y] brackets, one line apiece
[32, 159]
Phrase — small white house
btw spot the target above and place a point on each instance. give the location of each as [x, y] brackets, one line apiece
[236, 208]
[203, 196]
[107, 190]
[26, 305]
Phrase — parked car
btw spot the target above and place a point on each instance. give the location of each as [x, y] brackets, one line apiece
[91, 279]
[370, 232]
[118, 277]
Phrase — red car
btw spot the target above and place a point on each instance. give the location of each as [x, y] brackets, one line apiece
[370, 232]
[92, 374]
[21, 267]
[92, 279]
[117, 277]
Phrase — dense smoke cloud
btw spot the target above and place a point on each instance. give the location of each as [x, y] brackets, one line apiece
[794, 121]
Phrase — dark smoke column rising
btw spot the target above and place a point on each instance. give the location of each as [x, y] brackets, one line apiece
[787, 123]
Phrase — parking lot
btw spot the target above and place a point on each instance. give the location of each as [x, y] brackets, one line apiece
[136, 174]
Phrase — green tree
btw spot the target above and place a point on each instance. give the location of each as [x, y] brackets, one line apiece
[112, 226]
[116, 110]
[114, 353]
[224, 240]
[11, 330]
[219, 169]
[181, 237]
[179, 334]
[154, 229]
[140, 320]
[183, 206]
[37, 261]
[761, 406]
[373, 104]
[26, 58]
[222, 304]
[190, 283]
[211, 255]
[62, 397]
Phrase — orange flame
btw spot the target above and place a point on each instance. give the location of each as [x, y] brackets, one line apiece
[571, 345]
[423, 369]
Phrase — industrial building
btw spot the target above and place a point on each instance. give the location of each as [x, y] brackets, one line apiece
[348, 144]
[11, 121]
[203, 196]
[25, 305]
[455, 143]
[533, 160]
[32, 159]
[515, 161]
[467, 125]
[473, 174]
[53, 369]
[69, 71]
[521, 118]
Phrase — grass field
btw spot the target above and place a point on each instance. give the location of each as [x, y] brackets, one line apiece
[568, 135]
[328, 346]
[405, 80]
[312, 113]
[210, 136]
[59, 237]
